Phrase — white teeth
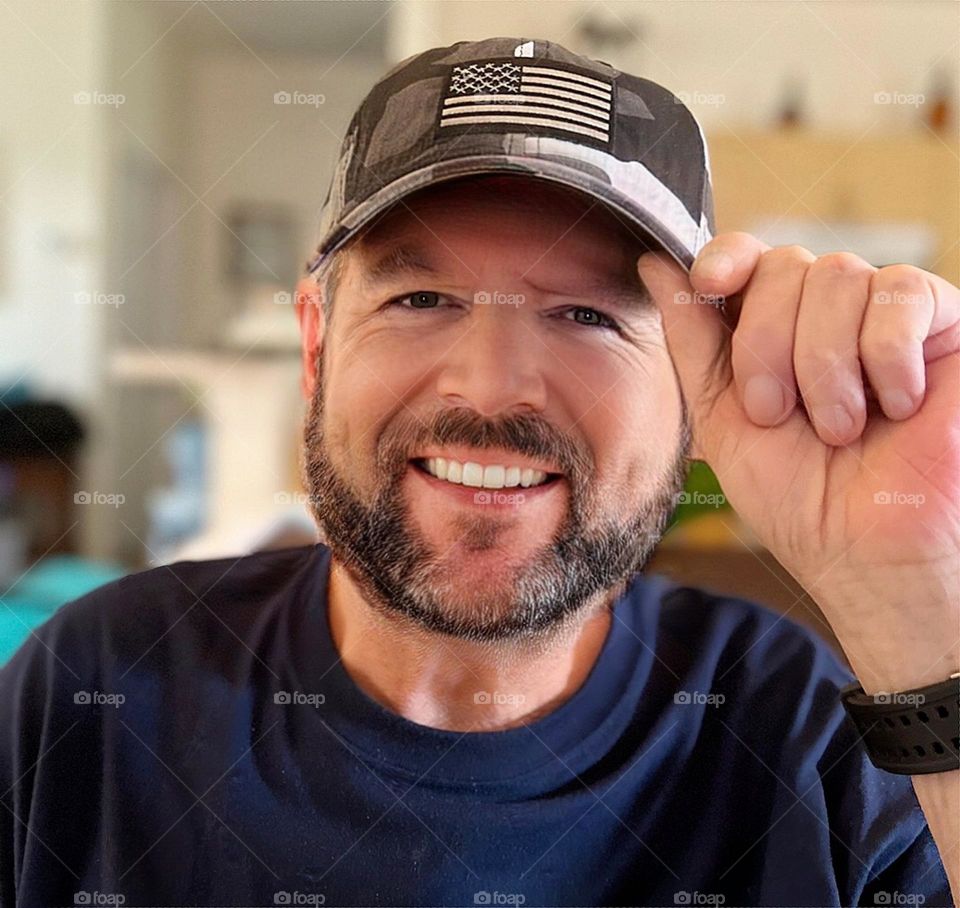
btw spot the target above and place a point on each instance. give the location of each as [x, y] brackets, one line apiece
[494, 476]
[472, 474]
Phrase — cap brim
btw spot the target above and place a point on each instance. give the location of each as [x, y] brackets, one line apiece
[652, 227]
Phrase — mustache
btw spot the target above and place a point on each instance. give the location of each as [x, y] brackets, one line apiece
[524, 434]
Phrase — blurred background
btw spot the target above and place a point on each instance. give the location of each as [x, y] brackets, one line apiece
[162, 165]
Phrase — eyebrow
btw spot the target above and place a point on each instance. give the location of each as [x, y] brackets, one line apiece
[401, 260]
[414, 261]
[620, 289]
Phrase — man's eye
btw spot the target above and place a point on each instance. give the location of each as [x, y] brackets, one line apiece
[592, 318]
[421, 299]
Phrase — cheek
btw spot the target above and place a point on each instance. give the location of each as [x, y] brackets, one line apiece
[634, 427]
[366, 386]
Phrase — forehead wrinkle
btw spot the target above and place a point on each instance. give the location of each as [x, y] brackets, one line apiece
[410, 258]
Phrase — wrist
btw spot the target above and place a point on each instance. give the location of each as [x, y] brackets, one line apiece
[894, 638]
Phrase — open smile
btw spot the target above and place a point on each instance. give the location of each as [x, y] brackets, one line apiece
[486, 487]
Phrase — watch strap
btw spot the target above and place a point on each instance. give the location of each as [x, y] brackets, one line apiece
[909, 732]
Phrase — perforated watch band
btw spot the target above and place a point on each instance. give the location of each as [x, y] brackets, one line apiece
[909, 732]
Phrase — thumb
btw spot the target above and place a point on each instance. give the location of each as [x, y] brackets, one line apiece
[697, 337]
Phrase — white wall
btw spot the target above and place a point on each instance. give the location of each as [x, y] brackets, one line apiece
[51, 188]
[743, 51]
[244, 147]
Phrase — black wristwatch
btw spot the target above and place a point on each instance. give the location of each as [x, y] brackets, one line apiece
[909, 732]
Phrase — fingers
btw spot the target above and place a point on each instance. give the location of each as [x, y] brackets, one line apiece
[692, 330]
[897, 321]
[827, 330]
[694, 335]
[726, 263]
[826, 354]
[763, 342]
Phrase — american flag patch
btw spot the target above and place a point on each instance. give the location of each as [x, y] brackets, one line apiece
[528, 96]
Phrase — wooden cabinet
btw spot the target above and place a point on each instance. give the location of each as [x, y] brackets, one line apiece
[870, 178]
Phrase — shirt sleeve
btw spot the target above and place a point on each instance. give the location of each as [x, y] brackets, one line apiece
[871, 828]
[22, 688]
[882, 848]
[916, 877]
[37, 733]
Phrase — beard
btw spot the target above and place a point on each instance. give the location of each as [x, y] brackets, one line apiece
[594, 553]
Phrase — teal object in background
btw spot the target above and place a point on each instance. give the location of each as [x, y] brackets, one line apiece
[51, 583]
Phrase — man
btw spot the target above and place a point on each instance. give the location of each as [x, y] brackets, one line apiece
[470, 693]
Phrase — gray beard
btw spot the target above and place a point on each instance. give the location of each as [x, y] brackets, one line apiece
[401, 574]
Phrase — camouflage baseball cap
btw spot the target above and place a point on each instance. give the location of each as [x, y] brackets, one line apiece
[526, 106]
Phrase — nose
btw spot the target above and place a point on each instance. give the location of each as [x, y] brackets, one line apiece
[497, 365]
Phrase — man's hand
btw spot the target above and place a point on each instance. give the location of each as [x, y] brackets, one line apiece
[826, 398]
[857, 495]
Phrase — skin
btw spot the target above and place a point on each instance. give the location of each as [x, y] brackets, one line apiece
[434, 598]
[864, 513]
[825, 396]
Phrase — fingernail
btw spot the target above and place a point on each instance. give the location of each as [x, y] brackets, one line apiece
[714, 265]
[835, 419]
[897, 404]
[763, 399]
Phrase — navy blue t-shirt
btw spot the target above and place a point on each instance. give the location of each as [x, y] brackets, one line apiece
[188, 736]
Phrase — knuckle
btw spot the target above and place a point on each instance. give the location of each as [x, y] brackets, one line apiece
[899, 283]
[753, 342]
[812, 364]
[739, 236]
[793, 252]
[881, 347]
[732, 242]
[840, 264]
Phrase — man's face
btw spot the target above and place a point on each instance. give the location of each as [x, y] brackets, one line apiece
[560, 367]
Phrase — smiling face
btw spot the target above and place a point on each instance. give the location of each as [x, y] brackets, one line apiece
[495, 436]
